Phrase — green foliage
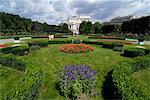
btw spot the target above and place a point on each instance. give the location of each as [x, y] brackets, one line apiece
[16, 38]
[60, 41]
[39, 43]
[11, 61]
[112, 45]
[17, 50]
[97, 28]
[127, 85]
[21, 50]
[111, 28]
[86, 28]
[29, 85]
[75, 80]
[92, 42]
[139, 26]
[134, 52]
[14, 24]
[141, 63]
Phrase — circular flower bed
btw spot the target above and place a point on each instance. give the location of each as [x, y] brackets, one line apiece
[76, 80]
[76, 48]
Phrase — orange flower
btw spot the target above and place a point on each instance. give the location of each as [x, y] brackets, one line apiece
[75, 48]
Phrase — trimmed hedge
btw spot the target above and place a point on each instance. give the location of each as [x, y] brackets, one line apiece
[60, 41]
[128, 87]
[39, 43]
[107, 37]
[92, 42]
[11, 61]
[134, 52]
[22, 50]
[114, 46]
[18, 50]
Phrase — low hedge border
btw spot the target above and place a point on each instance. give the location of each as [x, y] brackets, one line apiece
[18, 50]
[128, 87]
[12, 62]
[134, 52]
[106, 37]
[60, 41]
[28, 86]
[39, 43]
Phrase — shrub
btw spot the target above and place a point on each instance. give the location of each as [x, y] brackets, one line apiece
[77, 41]
[34, 47]
[92, 42]
[11, 61]
[112, 45]
[60, 41]
[75, 48]
[39, 43]
[16, 38]
[141, 63]
[74, 80]
[134, 52]
[21, 50]
[107, 37]
[7, 50]
[126, 84]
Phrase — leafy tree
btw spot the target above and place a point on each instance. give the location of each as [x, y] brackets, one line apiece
[97, 27]
[86, 28]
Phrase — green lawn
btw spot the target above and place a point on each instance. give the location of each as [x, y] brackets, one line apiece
[51, 60]
[143, 77]
[8, 79]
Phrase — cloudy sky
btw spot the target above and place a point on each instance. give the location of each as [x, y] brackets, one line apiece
[53, 11]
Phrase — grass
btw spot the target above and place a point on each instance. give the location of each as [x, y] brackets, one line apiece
[51, 59]
[8, 79]
[143, 77]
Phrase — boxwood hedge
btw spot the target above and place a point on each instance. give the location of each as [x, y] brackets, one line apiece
[134, 52]
[129, 87]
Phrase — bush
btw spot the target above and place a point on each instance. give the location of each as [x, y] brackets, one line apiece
[77, 41]
[16, 38]
[126, 84]
[141, 63]
[11, 61]
[75, 48]
[75, 80]
[7, 50]
[112, 45]
[22, 50]
[134, 52]
[92, 42]
[107, 37]
[40, 43]
[34, 47]
[60, 41]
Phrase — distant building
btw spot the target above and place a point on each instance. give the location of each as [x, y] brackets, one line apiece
[120, 20]
[75, 21]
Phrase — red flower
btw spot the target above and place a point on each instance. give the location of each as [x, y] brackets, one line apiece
[3, 46]
[76, 48]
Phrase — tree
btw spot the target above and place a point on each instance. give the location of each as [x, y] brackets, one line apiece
[97, 27]
[86, 28]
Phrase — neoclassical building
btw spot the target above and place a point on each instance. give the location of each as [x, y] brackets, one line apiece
[75, 21]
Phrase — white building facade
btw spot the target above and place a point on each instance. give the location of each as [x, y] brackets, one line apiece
[75, 21]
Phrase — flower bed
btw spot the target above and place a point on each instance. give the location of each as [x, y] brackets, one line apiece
[76, 80]
[76, 48]
[2, 46]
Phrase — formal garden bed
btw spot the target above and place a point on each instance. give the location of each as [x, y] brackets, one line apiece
[76, 48]
[83, 77]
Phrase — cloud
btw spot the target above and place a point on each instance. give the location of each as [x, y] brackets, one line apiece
[52, 11]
